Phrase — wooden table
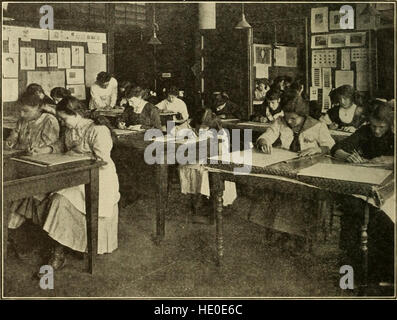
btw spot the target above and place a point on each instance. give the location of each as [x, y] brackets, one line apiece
[283, 177]
[24, 180]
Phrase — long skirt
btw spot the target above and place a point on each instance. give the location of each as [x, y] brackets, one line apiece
[194, 180]
[67, 225]
[32, 208]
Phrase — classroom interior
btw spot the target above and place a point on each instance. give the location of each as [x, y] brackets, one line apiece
[286, 229]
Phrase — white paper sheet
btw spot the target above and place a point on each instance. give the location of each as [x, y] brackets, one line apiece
[285, 56]
[258, 159]
[10, 90]
[52, 59]
[75, 76]
[346, 172]
[10, 65]
[345, 59]
[262, 54]
[327, 77]
[41, 59]
[324, 58]
[63, 58]
[344, 77]
[319, 19]
[28, 58]
[95, 47]
[77, 91]
[313, 93]
[13, 44]
[94, 63]
[262, 71]
[47, 79]
[77, 56]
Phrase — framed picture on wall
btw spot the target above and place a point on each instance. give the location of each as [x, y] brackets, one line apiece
[319, 19]
[262, 54]
[356, 39]
[337, 40]
[335, 21]
[319, 41]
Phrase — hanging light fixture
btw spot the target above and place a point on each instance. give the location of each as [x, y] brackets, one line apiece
[243, 24]
[154, 40]
[6, 16]
[274, 44]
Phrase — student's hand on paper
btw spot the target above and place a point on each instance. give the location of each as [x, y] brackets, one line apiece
[349, 129]
[36, 150]
[135, 127]
[222, 116]
[355, 158]
[333, 126]
[121, 125]
[264, 146]
[8, 145]
[263, 119]
[309, 152]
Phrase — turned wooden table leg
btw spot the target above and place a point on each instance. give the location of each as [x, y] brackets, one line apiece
[364, 249]
[162, 200]
[91, 203]
[217, 196]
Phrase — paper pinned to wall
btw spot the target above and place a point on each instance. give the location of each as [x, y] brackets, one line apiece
[10, 65]
[316, 77]
[63, 58]
[47, 79]
[77, 56]
[52, 59]
[77, 90]
[286, 57]
[345, 59]
[358, 54]
[13, 44]
[319, 19]
[10, 90]
[344, 77]
[262, 71]
[95, 47]
[28, 58]
[326, 103]
[94, 63]
[362, 80]
[75, 76]
[41, 59]
[313, 93]
[327, 77]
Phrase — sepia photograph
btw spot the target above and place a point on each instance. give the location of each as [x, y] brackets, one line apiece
[198, 150]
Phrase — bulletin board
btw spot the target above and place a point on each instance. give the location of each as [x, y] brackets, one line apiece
[50, 58]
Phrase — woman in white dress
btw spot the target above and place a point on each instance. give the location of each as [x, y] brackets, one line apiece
[66, 222]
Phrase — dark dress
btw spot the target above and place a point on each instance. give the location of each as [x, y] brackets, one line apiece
[148, 118]
[380, 227]
[230, 110]
[358, 118]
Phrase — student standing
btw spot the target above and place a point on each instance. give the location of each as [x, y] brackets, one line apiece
[103, 92]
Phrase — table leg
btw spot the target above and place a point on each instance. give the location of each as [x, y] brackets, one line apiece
[216, 188]
[162, 201]
[91, 204]
[364, 249]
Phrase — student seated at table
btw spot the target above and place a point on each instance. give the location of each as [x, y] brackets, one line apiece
[345, 114]
[262, 87]
[103, 92]
[66, 222]
[139, 112]
[34, 129]
[297, 131]
[271, 109]
[224, 108]
[194, 177]
[373, 143]
[58, 93]
[48, 105]
[123, 88]
[173, 103]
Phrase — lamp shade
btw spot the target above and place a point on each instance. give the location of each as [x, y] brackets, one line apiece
[243, 24]
[154, 40]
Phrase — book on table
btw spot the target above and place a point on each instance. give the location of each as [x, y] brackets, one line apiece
[52, 159]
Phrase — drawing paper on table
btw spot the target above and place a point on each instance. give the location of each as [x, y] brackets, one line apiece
[339, 133]
[120, 132]
[257, 158]
[254, 124]
[52, 159]
[346, 173]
